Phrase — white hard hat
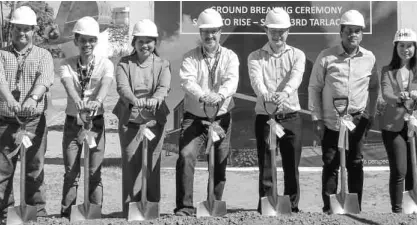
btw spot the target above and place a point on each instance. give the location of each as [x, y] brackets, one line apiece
[352, 17]
[146, 28]
[209, 18]
[405, 34]
[24, 15]
[87, 26]
[277, 18]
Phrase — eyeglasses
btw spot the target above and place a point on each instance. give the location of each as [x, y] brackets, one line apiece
[274, 31]
[210, 31]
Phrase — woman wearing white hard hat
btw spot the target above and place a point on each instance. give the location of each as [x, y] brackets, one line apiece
[143, 82]
[399, 90]
[87, 79]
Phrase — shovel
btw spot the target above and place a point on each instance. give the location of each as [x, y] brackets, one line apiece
[144, 210]
[410, 197]
[211, 207]
[275, 204]
[87, 210]
[24, 212]
[343, 202]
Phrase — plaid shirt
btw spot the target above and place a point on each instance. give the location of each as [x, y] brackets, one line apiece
[38, 69]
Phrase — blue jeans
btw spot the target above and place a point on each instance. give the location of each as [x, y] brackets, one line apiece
[35, 158]
[132, 164]
[71, 151]
[290, 149]
[193, 137]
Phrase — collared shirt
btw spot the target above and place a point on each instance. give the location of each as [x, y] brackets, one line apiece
[271, 72]
[335, 74]
[37, 69]
[103, 67]
[195, 80]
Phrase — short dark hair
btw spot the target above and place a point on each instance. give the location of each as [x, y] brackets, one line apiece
[396, 60]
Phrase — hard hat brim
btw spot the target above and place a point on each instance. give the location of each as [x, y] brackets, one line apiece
[351, 24]
[210, 26]
[145, 35]
[277, 26]
[22, 23]
[87, 34]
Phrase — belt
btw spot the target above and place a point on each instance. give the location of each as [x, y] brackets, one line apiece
[13, 119]
[94, 117]
[192, 116]
[283, 116]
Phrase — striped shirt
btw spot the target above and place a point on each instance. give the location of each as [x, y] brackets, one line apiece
[38, 69]
[335, 74]
[270, 72]
[195, 80]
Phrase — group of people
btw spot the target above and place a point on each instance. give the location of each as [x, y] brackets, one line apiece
[209, 75]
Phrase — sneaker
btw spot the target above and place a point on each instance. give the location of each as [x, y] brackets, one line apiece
[181, 213]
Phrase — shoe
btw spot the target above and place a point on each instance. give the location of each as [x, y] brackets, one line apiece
[181, 213]
[42, 213]
[296, 210]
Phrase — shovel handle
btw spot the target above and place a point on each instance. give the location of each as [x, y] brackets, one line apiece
[144, 169]
[211, 117]
[22, 175]
[344, 111]
[86, 150]
[413, 160]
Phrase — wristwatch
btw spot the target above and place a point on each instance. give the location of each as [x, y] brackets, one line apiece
[35, 97]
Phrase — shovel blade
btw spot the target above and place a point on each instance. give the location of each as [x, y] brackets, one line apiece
[271, 208]
[409, 205]
[21, 214]
[350, 205]
[218, 209]
[139, 211]
[86, 211]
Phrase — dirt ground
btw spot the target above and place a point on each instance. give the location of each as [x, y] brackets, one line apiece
[240, 195]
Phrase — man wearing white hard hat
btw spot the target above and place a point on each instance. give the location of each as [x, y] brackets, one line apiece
[26, 74]
[399, 88]
[276, 71]
[87, 79]
[143, 82]
[346, 71]
[209, 75]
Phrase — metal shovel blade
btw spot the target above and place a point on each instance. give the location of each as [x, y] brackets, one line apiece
[350, 205]
[271, 208]
[409, 204]
[218, 209]
[143, 210]
[21, 214]
[86, 211]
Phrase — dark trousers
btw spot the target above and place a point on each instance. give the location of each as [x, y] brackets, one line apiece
[398, 151]
[35, 157]
[193, 137]
[290, 149]
[132, 164]
[354, 160]
[72, 151]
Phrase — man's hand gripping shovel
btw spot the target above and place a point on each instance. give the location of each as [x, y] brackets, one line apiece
[275, 204]
[343, 202]
[86, 210]
[410, 196]
[24, 212]
[144, 210]
[212, 207]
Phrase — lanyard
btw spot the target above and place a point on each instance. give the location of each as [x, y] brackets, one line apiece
[21, 61]
[212, 70]
[84, 75]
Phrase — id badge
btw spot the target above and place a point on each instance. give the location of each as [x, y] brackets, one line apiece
[16, 94]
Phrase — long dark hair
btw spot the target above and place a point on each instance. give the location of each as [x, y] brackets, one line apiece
[396, 60]
[133, 45]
